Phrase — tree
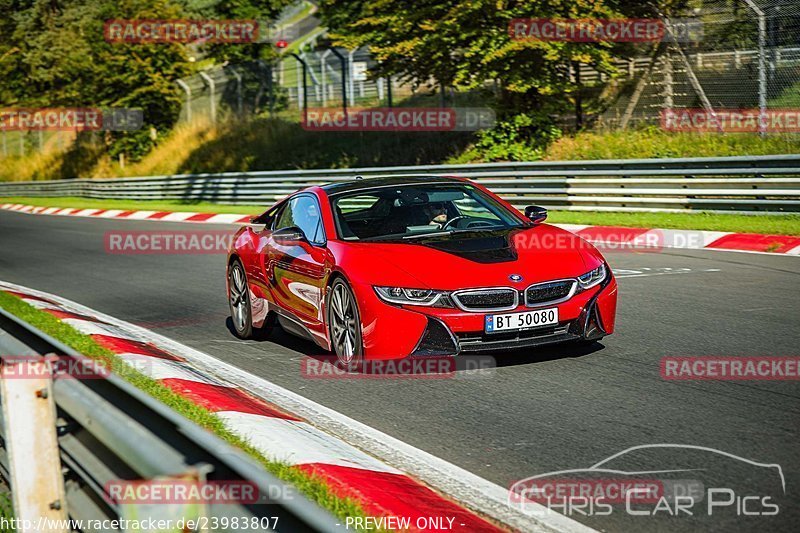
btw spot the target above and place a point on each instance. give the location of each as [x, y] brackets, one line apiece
[466, 44]
[53, 53]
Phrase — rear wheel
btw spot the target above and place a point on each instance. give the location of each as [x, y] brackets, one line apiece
[344, 325]
[239, 300]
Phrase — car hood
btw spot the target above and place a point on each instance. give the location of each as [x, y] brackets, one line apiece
[485, 258]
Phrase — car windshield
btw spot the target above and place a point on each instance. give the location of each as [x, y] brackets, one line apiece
[419, 210]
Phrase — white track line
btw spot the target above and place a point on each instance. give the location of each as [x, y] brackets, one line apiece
[111, 213]
[140, 215]
[178, 216]
[225, 219]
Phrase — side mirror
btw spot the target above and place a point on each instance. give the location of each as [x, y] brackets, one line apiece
[536, 214]
[292, 236]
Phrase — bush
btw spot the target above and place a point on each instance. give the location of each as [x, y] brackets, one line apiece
[522, 137]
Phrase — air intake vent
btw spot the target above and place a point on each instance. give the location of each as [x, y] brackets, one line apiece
[486, 299]
[549, 292]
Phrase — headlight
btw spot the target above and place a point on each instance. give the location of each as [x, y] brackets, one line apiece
[592, 278]
[398, 295]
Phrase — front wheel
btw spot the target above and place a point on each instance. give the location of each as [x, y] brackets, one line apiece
[239, 300]
[344, 324]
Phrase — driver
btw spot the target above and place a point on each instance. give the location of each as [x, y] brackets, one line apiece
[436, 214]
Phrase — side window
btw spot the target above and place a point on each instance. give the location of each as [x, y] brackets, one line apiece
[303, 212]
[362, 202]
[283, 218]
[470, 206]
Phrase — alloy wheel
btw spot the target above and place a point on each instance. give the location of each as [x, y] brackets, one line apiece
[344, 324]
[238, 298]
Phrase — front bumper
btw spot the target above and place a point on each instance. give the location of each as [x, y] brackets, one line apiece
[393, 331]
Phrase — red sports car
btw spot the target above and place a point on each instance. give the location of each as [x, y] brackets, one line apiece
[384, 268]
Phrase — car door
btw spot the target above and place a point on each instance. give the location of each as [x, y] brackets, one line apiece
[297, 272]
[254, 252]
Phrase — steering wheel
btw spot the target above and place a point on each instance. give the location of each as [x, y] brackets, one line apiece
[444, 226]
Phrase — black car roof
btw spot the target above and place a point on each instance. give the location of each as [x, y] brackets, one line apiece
[386, 181]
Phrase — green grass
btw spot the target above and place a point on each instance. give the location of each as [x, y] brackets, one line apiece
[789, 98]
[766, 224]
[133, 205]
[652, 142]
[6, 511]
[313, 487]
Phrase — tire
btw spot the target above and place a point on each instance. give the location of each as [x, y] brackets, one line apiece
[344, 325]
[239, 301]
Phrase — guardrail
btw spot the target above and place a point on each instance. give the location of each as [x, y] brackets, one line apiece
[740, 184]
[108, 430]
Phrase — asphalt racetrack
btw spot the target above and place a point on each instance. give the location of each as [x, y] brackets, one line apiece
[540, 411]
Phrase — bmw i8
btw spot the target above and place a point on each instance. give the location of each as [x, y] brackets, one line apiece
[385, 268]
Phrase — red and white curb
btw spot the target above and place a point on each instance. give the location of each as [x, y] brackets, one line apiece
[288, 427]
[622, 238]
[610, 237]
[169, 216]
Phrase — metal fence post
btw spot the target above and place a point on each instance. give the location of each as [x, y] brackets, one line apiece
[239, 100]
[29, 417]
[576, 66]
[212, 107]
[343, 62]
[298, 72]
[183, 85]
[323, 66]
[351, 75]
[762, 66]
[304, 66]
[668, 81]
[271, 88]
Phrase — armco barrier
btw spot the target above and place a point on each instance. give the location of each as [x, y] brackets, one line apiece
[727, 184]
[109, 429]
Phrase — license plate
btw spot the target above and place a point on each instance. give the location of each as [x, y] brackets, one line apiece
[526, 320]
